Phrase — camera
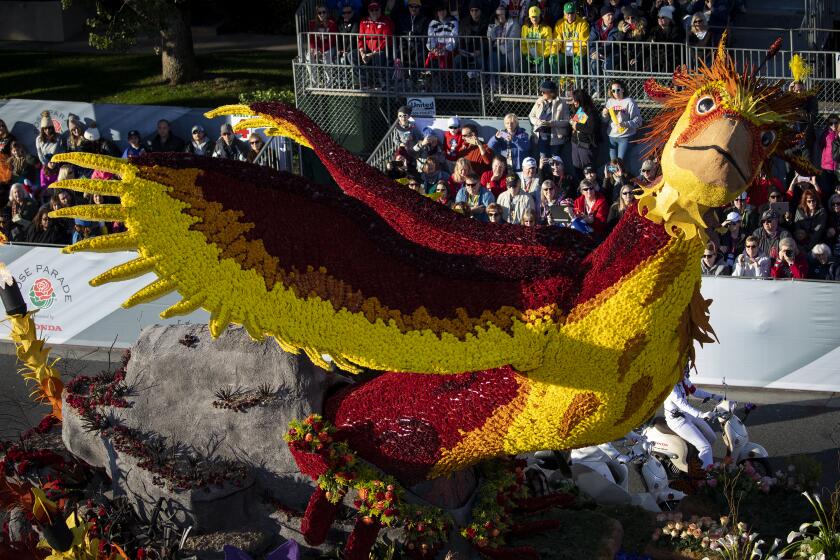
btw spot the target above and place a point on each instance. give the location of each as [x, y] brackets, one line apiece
[612, 168]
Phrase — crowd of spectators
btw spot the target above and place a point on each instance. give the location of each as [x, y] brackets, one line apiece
[532, 36]
[785, 226]
[26, 179]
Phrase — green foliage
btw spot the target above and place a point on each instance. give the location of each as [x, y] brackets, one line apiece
[820, 538]
[807, 471]
[272, 94]
[135, 78]
[115, 26]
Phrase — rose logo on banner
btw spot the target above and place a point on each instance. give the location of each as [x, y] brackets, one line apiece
[42, 294]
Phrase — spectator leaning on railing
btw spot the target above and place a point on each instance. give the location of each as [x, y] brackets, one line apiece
[375, 33]
[571, 35]
[502, 35]
[537, 45]
[443, 39]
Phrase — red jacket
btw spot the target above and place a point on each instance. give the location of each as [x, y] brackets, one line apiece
[321, 43]
[799, 268]
[375, 35]
[496, 187]
[758, 193]
[598, 212]
[480, 163]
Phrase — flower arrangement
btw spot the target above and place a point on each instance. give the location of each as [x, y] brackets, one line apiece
[739, 480]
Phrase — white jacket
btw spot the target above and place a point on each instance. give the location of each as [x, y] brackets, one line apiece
[559, 119]
[443, 33]
[759, 269]
[677, 402]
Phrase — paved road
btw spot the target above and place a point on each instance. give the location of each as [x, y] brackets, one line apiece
[786, 422]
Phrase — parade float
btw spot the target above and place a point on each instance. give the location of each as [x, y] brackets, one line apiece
[472, 343]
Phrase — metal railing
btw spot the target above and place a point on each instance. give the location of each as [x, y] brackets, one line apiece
[462, 66]
[276, 153]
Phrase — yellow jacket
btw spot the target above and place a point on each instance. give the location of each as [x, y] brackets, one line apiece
[572, 36]
[537, 41]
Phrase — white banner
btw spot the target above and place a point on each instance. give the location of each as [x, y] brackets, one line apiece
[773, 334]
[70, 311]
[23, 117]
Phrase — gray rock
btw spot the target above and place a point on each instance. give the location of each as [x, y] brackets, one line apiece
[173, 387]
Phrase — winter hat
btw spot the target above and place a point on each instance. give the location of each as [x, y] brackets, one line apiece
[548, 85]
[667, 12]
[92, 133]
[226, 128]
[46, 119]
[606, 10]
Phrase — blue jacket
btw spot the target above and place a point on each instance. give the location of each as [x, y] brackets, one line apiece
[519, 145]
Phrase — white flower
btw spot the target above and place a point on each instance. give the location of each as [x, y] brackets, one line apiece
[793, 535]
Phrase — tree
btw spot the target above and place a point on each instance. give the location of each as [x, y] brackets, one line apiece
[117, 24]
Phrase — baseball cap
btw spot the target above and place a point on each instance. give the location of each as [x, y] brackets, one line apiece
[569, 8]
[453, 122]
[769, 215]
[92, 134]
[405, 109]
[534, 11]
[667, 12]
[606, 10]
[548, 85]
[197, 128]
[373, 5]
[529, 162]
[133, 133]
[226, 128]
[647, 165]
[512, 177]
[558, 159]
[732, 218]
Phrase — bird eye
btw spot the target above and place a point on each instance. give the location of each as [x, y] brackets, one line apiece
[767, 138]
[705, 104]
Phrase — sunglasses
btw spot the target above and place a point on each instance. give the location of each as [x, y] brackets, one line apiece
[616, 90]
[226, 133]
[471, 184]
[403, 116]
[453, 128]
[197, 132]
[752, 246]
[626, 193]
[707, 255]
[322, 12]
[492, 214]
[587, 189]
[255, 143]
[647, 170]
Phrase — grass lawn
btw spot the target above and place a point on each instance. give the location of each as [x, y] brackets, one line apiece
[135, 78]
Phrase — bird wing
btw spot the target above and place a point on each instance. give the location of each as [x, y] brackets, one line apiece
[386, 279]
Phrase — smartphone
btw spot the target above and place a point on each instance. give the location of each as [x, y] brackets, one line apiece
[612, 168]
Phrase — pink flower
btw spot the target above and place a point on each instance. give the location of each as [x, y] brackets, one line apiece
[712, 482]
